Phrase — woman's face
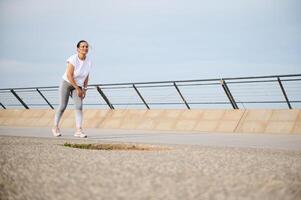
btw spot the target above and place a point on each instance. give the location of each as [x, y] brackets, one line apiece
[83, 48]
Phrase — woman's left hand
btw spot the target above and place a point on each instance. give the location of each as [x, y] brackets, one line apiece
[84, 94]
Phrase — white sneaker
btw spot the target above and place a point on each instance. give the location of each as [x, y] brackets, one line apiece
[80, 134]
[56, 132]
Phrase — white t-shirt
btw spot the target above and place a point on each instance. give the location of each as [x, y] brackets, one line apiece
[81, 69]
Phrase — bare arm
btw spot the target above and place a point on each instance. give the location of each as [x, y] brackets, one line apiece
[86, 81]
[70, 76]
[85, 86]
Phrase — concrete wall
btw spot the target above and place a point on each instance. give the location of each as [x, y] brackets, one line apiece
[219, 120]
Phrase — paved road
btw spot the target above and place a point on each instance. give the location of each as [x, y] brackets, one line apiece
[37, 166]
[281, 142]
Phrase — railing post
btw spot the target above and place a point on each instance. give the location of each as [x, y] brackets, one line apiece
[174, 83]
[45, 98]
[21, 101]
[228, 93]
[284, 93]
[2, 105]
[105, 98]
[140, 96]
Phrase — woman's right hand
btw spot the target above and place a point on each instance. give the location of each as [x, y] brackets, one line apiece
[79, 92]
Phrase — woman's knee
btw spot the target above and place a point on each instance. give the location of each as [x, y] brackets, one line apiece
[62, 108]
[79, 107]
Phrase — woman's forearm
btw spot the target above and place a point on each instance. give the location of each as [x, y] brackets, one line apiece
[70, 72]
[86, 82]
[72, 81]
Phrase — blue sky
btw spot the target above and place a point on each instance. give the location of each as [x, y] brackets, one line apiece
[141, 40]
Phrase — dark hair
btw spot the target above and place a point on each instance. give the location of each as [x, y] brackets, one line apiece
[78, 44]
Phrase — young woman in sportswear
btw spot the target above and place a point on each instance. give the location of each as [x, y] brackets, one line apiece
[74, 84]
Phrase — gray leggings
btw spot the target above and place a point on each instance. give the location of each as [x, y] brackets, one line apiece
[65, 90]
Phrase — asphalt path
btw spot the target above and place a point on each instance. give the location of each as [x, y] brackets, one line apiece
[266, 141]
[181, 165]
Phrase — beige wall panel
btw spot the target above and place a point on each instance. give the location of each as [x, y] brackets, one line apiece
[281, 121]
[284, 115]
[9, 122]
[206, 126]
[11, 113]
[299, 117]
[111, 123]
[118, 113]
[91, 123]
[233, 115]
[49, 114]
[153, 113]
[279, 127]
[191, 114]
[2, 121]
[226, 126]
[33, 113]
[68, 123]
[20, 122]
[252, 127]
[263, 115]
[165, 124]
[136, 113]
[4, 113]
[297, 128]
[100, 116]
[129, 124]
[90, 114]
[185, 124]
[45, 122]
[212, 114]
[171, 114]
[148, 124]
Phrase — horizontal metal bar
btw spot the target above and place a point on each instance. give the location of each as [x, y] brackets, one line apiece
[240, 82]
[153, 86]
[297, 79]
[157, 82]
[112, 88]
[161, 82]
[5, 91]
[200, 80]
[165, 103]
[25, 88]
[264, 81]
[198, 84]
[95, 104]
[49, 90]
[268, 102]
[259, 77]
[144, 86]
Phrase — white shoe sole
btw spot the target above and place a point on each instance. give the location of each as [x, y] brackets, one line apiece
[55, 134]
[80, 136]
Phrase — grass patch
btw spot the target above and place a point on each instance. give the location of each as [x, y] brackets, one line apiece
[113, 147]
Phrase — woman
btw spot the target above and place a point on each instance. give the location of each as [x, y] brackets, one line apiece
[74, 83]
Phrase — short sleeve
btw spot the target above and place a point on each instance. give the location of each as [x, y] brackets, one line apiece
[72, 60]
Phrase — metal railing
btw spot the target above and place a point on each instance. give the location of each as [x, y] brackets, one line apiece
[279, 91]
